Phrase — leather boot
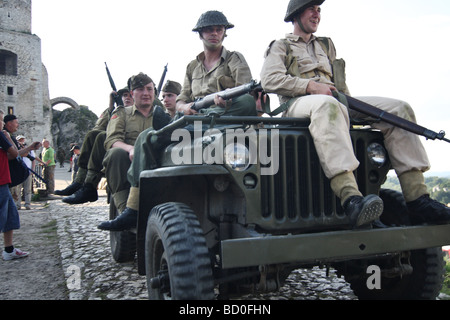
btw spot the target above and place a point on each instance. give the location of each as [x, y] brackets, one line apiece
[87, 193]
[363, 211]
[126, 221]
[426, 210]
[71, 189]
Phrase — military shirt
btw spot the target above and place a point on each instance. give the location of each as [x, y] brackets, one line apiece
[125, 125]
[103, 121]
[231, 71]
[311, 59]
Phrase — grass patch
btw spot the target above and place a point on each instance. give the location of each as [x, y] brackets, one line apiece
[50, 229]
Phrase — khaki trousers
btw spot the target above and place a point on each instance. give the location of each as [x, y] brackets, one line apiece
[330, 123]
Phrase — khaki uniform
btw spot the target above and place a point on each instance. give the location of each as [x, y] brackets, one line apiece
[330, 120]
[87, 148]
[125, 125]
[231, 71]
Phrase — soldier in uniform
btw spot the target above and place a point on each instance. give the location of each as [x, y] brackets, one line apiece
[123, 129]
[306, 89]
[216, 69]
[170, 92]
[128, 218]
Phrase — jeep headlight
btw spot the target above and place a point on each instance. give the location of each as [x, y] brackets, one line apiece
[377, 154]
[237, 156]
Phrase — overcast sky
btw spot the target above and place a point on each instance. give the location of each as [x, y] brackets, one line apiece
[392, 48]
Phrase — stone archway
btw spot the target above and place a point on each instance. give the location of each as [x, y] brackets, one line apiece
[65, 100]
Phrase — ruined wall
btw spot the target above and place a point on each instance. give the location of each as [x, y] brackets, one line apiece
[23, 77]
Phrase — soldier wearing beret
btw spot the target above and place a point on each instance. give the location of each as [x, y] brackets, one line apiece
[170, 92]
[123, 130]
[127, 219]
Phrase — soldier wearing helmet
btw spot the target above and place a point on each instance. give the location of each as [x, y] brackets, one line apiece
[300, 70]
[216, 69]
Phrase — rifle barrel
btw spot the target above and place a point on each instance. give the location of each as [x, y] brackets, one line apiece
[397, 121]
[161, 81]
[226, 95]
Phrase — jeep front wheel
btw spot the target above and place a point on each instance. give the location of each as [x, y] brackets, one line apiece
[177, 261]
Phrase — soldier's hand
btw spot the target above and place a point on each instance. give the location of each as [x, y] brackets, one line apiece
[219, 101]
[320, 88]
[186, 109]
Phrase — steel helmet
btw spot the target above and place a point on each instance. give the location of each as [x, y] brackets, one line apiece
[212, 18]
[296, 6]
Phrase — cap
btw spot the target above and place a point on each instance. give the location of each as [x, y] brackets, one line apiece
[172, 87]
[139, 81]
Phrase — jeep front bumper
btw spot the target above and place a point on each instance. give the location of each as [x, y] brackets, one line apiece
[330, 246]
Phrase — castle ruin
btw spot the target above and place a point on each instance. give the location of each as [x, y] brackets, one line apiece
[23, 77]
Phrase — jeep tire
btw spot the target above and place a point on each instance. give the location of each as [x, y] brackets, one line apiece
[177, 260]
[427, 276]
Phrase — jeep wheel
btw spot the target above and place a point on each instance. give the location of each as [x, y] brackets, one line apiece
[176, 256]
[123, 243]
[425, 281]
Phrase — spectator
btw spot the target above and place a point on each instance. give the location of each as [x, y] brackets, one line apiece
[27, 184]
[48, 156]
[9, 216]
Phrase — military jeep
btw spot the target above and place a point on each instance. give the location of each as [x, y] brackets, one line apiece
[235, 204]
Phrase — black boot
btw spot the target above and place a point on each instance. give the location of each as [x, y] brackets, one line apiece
[71, 189]
[127, 220]
[363, 211]
[87, 193]
[160, 118]
[426, 210]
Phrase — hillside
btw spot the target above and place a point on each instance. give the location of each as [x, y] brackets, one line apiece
[439, 187]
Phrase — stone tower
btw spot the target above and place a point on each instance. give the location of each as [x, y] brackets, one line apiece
[23, 77]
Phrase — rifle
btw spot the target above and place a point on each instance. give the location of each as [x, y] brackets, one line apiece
[161, 82]
[226, 95]
[117, 99]
[376, 113]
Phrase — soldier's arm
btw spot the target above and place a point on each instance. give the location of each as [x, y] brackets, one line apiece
[274, 77]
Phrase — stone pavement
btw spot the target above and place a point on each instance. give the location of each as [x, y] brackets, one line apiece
[91, 272]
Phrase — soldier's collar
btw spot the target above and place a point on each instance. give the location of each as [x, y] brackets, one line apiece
[295, 38]
[201, 56]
